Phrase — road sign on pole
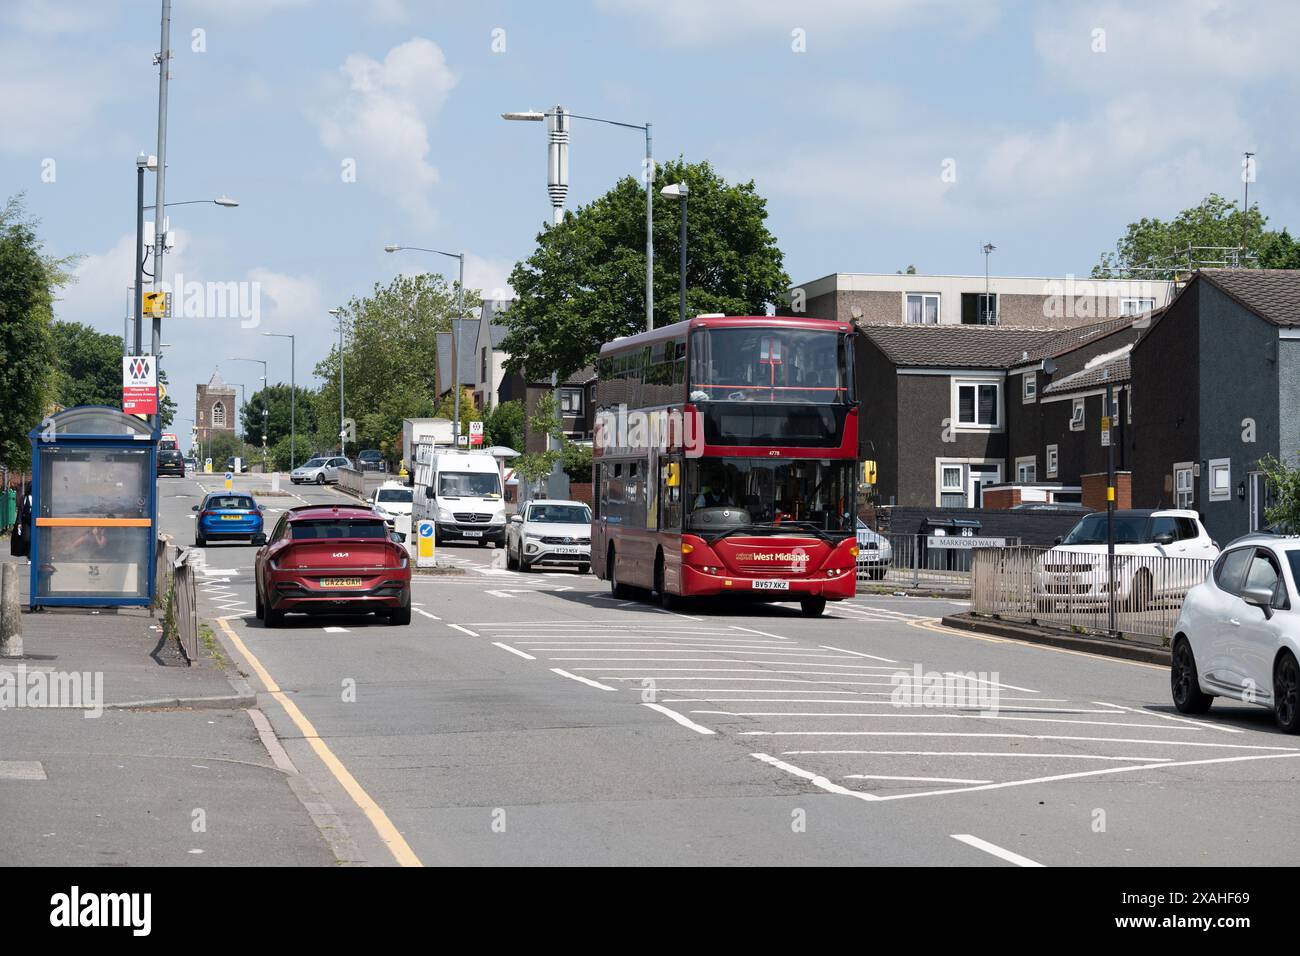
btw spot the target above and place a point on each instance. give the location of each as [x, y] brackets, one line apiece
[139, 385]
[476, 433]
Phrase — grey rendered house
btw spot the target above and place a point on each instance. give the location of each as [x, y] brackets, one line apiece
[1216, 386]
[951, 410]
[933, 408]
[1056, 398]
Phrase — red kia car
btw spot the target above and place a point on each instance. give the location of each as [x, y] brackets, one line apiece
[332, 559]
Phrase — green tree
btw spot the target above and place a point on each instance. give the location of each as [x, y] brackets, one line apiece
[224, 445]
[505, 425]
[87, 365]
[537, 465]
[1284, 477]
[27, 377]
[390, 349]
[585, 283]
[469, 412]
[1163, 245]
[276, 399]
[280, 459]
[1279, 251]
[577, 461]
[166, 408]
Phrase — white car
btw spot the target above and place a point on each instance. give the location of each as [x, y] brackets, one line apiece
[1238, 635]
[875, 553]
[1075, 572]
[550, 532]
[319, 471]
[392, 502]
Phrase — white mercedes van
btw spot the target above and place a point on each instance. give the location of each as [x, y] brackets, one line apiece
[460, 492]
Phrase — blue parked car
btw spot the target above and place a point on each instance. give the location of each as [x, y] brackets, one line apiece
[224, 516]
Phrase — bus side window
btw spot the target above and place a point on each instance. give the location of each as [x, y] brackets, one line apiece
[598, 493]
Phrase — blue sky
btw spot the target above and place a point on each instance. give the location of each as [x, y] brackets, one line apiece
[1061, 121]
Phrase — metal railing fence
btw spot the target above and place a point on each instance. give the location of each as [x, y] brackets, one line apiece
[1073, 590]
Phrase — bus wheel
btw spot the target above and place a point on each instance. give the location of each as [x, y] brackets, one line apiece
[813, 606]
[667, 601]
[616, 588]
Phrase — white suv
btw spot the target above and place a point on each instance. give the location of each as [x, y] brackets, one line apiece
[550, 532]
[1238, 634]
[1075, 572]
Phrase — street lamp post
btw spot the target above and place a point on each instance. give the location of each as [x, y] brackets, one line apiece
[455, 332]
[988, 248]
[679, 192]
[338, 314]
[558, 180]
[293, 397]
[265, 413]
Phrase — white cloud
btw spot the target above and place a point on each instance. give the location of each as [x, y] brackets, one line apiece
[382, 121]
[1175, 48]
[723, 22]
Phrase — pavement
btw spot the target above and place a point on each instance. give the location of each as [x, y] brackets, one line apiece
[534, 719]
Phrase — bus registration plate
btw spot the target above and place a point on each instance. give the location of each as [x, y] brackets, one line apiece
[771, 585]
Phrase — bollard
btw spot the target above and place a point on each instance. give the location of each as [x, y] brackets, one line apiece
[11, 618]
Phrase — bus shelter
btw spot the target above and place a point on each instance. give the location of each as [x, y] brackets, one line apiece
[94, 514]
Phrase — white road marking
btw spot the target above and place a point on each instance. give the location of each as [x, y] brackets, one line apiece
[336, 630]
[993, 683]
[815, 779]
[513, 650]
[877, 776]
[887, 660]
[994, 849]
[1095, 773]
[970, 753]
[582, 680]
[701, 660]
[683, 720]
[465, 630]
[750, 630]
[1286, 751]
[22, 770]
[1204, 724]
[420, 610]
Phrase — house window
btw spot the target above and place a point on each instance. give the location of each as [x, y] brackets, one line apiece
[482, 374]
[1076, 415]
[1184, 486]
[1053, 460]
[1029, 387]
[1027, 470]
[1136, 306]
[977, 404]
[978, 308]
[951, 478]
[218, 415]
[570, 402]
[922, 309]
[1220, 479]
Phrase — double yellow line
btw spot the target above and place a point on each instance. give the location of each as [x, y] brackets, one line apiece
[392, 838]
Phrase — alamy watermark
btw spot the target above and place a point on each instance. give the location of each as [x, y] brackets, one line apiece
[948, 689]
[620, 428]
[78, 690]
[216, 300]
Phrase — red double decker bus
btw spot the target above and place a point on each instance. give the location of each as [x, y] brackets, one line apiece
[725, 461]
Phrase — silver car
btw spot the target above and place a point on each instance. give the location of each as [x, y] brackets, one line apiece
[875, 553]
[318, 471]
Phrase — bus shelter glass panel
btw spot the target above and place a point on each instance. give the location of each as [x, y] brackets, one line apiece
[94, 530]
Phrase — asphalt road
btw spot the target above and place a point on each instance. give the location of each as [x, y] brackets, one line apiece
[531, 718]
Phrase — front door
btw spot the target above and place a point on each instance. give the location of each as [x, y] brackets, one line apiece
[981, 476]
